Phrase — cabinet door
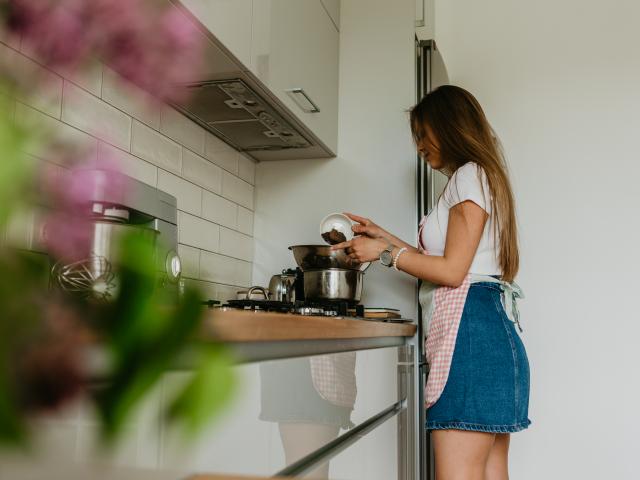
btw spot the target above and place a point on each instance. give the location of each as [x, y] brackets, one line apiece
[229, 21]
[295, 46]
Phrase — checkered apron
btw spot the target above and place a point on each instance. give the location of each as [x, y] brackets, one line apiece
[442, 309]
[334, 378]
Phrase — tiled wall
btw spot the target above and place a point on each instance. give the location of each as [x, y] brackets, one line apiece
[213, 183]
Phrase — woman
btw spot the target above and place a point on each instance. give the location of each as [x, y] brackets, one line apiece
[467, 257]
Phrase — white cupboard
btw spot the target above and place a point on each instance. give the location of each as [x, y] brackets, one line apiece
[295, 48]
[229, 21]
[291, 46]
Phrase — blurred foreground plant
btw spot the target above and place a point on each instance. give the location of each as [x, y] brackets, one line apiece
[46, 334]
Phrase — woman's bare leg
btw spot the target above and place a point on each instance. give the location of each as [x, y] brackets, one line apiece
[498, 461]
[461, 454]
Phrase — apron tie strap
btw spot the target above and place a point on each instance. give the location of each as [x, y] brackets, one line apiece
[512, 292]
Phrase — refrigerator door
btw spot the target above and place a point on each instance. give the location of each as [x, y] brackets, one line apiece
[431, 73]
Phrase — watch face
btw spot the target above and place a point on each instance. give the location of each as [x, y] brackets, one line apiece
[386, 258]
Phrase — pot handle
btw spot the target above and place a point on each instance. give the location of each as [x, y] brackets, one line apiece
[257, 289]
[364, 266]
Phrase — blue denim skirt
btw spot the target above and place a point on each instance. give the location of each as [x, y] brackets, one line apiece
[488, 385]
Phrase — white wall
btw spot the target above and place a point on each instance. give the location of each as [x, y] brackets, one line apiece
[374, 173]
[559, 81]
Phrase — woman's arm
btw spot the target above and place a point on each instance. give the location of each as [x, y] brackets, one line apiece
[466, 224]
[364, 226]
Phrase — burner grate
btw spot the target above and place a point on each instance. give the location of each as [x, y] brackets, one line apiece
[307, 307]
[265, 305]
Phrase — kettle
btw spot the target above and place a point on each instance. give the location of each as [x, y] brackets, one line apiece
[281, 287]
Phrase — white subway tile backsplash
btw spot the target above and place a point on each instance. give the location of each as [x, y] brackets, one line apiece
[90, 114]
[190, 258]
[237, 190]
[201, 172]
[221, 269]
[244, 272]
[221, 154]
[79, 143]
[99, 115]
[90, 78]
[10, 39]
[47, 97]
[246, 169]
[127, 97]
[245, 221]
[181, 129]
[155, 148]
[207, 290]
[189, 196]
[226, 292]
[219, 210]
[235, 244]
[130, 165]
[197, 232]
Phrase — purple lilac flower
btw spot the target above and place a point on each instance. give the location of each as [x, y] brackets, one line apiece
[68, 229]
[153, 49]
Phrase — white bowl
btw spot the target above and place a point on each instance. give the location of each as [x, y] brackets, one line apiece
[339, 222]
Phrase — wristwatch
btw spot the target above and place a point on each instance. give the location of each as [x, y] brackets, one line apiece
[386, 257]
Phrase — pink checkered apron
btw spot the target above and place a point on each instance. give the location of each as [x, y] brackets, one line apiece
[334, 378]
[442, 310]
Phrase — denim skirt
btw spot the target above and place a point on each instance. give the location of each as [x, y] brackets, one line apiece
[488, 385]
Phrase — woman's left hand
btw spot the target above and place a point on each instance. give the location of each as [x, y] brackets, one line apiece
[362, 248]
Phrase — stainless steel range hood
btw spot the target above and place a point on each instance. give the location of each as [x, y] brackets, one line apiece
[228, 100]
[241, 117]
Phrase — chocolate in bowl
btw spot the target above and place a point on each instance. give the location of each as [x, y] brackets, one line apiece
[334, 237]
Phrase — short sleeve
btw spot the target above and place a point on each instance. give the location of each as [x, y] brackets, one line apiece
[469, 182]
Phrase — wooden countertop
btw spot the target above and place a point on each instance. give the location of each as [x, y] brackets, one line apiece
[248, 326]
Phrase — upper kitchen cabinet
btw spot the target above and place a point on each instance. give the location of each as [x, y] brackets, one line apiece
[295, 53]
[229, 21]
[279, 97]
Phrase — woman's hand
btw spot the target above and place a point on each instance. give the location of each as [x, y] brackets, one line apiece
[364, 226]
[363, 248]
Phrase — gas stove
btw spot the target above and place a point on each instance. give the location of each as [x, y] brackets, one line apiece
[306, 307]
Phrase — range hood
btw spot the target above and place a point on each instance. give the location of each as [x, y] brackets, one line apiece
[237, 114]
[229, 101]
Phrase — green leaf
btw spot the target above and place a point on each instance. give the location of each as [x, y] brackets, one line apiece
[138, 369]
[209, 391]
[15, 167]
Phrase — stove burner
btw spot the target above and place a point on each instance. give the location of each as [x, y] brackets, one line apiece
[316, 311]
[307, 307]
[265, 305]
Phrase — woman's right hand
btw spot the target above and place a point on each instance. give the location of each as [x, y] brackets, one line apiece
[364, 226]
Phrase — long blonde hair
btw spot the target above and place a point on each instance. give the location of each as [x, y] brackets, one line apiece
[458, 122]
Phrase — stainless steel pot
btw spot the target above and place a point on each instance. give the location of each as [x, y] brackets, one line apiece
[315, 257]
[333, 284]
[281, 287]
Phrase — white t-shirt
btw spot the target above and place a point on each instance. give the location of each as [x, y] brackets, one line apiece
[469, 182]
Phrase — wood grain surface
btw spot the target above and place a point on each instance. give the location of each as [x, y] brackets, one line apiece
[249, 326]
